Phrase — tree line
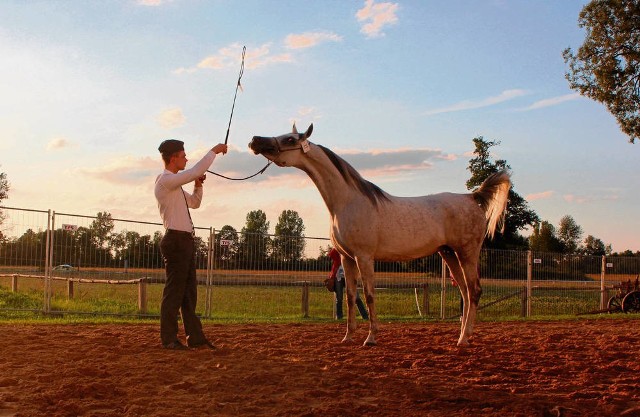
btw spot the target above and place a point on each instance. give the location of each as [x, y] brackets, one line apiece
[100, 245]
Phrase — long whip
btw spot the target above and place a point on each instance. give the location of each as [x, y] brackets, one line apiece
[244, 50]
[233, 106]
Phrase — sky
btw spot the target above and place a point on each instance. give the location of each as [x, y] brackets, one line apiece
[399, 89]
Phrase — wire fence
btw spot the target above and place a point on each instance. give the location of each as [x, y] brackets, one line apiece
[60, 263]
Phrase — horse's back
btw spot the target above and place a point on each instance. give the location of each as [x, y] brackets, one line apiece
[412, 227]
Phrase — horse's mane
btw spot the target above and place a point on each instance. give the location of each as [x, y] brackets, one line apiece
[354, 179]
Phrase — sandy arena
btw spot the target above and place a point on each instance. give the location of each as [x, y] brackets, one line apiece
[571, 368]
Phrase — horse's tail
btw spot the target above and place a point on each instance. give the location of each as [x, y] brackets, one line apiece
[492, 196]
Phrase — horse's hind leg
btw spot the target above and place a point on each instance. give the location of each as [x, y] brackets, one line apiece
[365, 265]
[454, 265]
[351, 274]
[469, 265]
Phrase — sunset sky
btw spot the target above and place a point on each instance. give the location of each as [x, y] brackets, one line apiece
[88, 90]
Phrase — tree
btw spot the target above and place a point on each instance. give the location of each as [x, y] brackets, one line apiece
[101, 228]
[607, 66]
[544, 239]
[569, 233]
[254, 243]
[288, 241]
[225, 255]
[4, 194]
[518, 215]
[594, 246]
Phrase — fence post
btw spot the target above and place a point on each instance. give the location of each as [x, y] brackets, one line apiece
[524, 305]
[443, 290]
[210, 265]
[425, 299]
[529, 288]
[142, 296]
[14, 283]
[70, 289]
[305, 299]
[603, 269]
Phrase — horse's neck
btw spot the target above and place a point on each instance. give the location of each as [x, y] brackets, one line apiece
[333, 188]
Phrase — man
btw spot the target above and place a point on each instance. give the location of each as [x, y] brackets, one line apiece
[178, 246]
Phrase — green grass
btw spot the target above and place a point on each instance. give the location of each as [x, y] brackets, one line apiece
[280, 304]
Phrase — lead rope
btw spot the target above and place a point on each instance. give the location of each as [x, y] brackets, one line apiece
[233, 106]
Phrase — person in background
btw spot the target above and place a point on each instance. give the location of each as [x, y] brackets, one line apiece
[337, 272]
[180, 292]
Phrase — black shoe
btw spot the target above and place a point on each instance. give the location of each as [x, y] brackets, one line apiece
[175, 346]
[204, 343]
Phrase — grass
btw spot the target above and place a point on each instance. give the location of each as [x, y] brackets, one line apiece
[283, 304]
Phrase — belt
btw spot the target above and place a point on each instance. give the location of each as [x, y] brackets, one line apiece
[181, 232]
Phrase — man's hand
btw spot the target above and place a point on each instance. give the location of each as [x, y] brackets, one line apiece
[200, 180]
[220, 148]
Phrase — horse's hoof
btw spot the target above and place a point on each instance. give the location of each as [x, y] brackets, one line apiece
[463, 343]
[347, 340]
[370, 343]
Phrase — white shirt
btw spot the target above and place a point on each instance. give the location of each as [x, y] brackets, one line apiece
[173, 201]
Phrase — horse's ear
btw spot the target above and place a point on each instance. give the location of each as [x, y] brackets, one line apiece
[294, 130]
[309, 130]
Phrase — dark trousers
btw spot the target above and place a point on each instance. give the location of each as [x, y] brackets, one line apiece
[180, 292]
[340, 290]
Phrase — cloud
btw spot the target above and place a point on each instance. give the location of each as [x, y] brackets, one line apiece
[381, 163]
[572, 198]
[58, 143]
[375, 16]
[171, 118]
[309, 39]
[553, 101]
[545, 195]
[470, 104]
[230, 57]
[126, 170]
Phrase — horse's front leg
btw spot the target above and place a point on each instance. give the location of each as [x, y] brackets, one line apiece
[365, 265]
[351, 274]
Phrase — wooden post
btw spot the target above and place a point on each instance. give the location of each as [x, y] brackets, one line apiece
[70, 289]
[603, 296]
[443, 290]
[305, 299]
[425, 299]
[142, 296]
[14, 283]
[524, 304]
[529, 288]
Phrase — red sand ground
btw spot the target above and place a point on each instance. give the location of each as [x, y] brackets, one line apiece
[588, 367]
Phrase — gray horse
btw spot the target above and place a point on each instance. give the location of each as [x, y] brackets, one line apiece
[368, 224]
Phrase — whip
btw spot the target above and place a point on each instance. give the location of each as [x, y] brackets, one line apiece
[233, 106]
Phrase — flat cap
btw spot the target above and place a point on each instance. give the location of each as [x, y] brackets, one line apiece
[171, 146]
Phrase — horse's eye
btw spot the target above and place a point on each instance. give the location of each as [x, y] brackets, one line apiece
[291, 140]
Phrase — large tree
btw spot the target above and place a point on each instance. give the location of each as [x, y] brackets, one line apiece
[544, 238]
[225, 254]
[569, 233]
[254, 243]
[594, 246]
[606, 68]
[101, 228]
[518, 216]
[288, 241]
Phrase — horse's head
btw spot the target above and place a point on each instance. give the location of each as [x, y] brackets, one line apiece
[285, 149]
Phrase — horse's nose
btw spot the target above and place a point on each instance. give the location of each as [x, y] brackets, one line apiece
[253, 145]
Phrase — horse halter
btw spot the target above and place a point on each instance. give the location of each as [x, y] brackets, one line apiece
[304, 145]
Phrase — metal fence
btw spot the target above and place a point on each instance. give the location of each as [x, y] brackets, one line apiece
[60, 263]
